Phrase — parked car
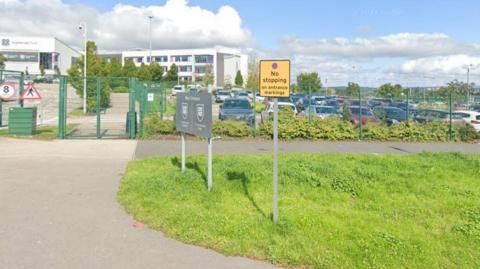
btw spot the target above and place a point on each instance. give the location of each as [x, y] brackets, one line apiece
[221, 96]
[322, 111]
[429, 115]
[193, 90]
[356, 102]
[366, 115]
[178, 89]
[240, 94]
[390, 115]
[475, 107]
[334, 103]
[281, 105]
[259, 98]
[237, 109]
[376, 102]
[471, 118]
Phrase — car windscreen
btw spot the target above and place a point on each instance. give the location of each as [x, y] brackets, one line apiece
[241, 104]
[223, 93]
[365, 111]
[325, 110]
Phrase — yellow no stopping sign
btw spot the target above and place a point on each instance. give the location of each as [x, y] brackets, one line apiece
[275, 78]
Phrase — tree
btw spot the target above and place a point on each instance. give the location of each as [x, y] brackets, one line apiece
[252, 76]
[115, 68]
[42, 70]
[172, 73]
[143, 73]
[389, 91]
[156, 71]
[353, 89]
[238, 79]
[456, 88]
[129, 68]
[95, 67]
[309, 81]
[208, 77]
[3, 59]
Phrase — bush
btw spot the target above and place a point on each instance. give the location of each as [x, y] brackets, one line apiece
[467, 133]
[152, 126]
[231, 128]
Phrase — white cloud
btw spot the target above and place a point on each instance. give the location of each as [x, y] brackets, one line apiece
[395, 45]
[451, 64]
[175, 25]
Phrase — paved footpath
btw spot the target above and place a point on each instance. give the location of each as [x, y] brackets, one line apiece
[58, 209]
[147, 148]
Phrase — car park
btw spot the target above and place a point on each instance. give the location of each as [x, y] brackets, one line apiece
[429, 115]
[281, 105]
[237, 109]
[366, 115]
[390, 115]
[222, 95]
[322, 111]
[178, 89]
[471, 118]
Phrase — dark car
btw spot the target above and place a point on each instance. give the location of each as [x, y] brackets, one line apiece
[365, 112]
[237, 109]
[390, 115]
[334, 103]
[429, 115]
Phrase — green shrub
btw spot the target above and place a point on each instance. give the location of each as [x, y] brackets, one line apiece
[467, 133]
[231, 128]
[152, 126]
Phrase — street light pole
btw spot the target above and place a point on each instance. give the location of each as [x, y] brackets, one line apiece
[83, 27]
[468, 84]
[150, 36]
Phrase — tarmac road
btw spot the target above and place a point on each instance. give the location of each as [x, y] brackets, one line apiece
[58, 209]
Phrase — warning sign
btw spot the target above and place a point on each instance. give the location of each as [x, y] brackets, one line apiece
[30, 93]
[7, 91]
[275, 78]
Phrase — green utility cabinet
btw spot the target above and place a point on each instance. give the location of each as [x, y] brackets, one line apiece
[22, 120]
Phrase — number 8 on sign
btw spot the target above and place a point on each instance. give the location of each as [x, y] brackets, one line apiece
[7, 92]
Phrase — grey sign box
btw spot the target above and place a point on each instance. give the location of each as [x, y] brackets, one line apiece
[194, 114]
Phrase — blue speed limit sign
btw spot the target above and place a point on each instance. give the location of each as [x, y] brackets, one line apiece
[7, 91]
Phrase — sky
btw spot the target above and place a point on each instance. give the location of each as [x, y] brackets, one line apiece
[414, 43]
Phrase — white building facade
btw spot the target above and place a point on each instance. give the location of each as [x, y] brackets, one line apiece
[28, 53]
[193, 64]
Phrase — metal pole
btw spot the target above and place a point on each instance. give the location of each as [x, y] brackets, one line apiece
[254, 113]
[450, 117]
[275, 160]
[407, 111]
[360, 113]
[85, 70]
[150, 36]
[183, 152]
[468, 87]
[210, 146]
[309, 104]
[97, 107]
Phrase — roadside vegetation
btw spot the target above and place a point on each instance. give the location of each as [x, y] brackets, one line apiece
[44, 133]
[336, 210]
[332, 129]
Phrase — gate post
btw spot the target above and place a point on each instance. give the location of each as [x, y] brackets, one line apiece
[97, 106]
[61, 108]
[21, 88]
[131, 109]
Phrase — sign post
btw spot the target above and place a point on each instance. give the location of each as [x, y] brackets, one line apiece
[275, 82]
[194, 116]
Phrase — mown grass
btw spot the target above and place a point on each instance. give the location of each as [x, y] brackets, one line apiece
[43, 133]
[336, 210]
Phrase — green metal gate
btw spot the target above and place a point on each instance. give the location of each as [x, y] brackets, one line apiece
[108, 111]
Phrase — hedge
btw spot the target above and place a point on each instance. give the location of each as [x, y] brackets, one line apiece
[332, 128]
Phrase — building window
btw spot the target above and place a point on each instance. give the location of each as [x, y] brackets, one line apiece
[181, 58]
[200, 69]
[204, 59]
[46, 60]
[185, 68]
[160, 59]
[165, 69]
[138, 59]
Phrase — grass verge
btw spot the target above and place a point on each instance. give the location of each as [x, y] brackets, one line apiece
[43, 133]
[336, 210]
